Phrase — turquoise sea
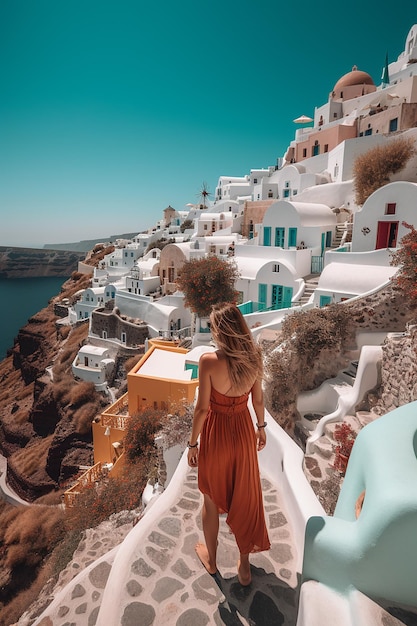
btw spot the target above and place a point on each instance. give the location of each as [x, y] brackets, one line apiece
[20, 299]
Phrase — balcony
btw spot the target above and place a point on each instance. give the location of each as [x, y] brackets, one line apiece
[90, 477]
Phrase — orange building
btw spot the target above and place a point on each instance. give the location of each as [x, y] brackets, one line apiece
[164, 379]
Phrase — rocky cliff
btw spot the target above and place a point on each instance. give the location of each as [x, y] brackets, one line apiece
[45, 415]
[30, 262]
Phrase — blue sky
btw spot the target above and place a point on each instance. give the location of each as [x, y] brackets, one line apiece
[111, 111]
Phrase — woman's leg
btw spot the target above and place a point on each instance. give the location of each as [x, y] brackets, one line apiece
[243, 570]
[207, 553]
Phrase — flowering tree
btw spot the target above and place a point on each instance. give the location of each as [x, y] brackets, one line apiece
[207, 281]
[406, 258]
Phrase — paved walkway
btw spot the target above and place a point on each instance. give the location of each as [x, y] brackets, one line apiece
[163, 582]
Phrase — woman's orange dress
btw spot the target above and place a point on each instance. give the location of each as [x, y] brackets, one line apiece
[228, 470]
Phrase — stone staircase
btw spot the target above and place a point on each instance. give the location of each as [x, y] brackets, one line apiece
[318, 466]
[341, 229]
[311, 283]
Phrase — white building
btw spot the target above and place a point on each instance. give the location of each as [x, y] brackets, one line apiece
[93, 364]
[379, 224]
[93, 297]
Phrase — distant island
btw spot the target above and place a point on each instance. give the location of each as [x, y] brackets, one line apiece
[87, 244]
[35, 263]
[54, 259]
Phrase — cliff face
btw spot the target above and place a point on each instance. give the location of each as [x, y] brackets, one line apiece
[29, 262]
[45, 415]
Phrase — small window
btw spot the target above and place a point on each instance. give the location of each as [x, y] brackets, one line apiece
[287, 184]
[326, 147]
[390, 208]
[304, 152]
[255, 180]
[275, 267]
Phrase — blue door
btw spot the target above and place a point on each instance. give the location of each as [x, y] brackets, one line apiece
[322, 242]
[292, 237]
[262, 294]
[279, 237]
[267, 235]
[281, 297]
[329, 239]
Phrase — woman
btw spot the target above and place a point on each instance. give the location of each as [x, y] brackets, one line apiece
[228, 472]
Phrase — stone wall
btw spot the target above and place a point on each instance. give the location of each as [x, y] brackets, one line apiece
[399, 371]
[114, 326]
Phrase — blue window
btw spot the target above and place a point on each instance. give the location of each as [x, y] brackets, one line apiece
[267, 235]
[292, 237]
[324, 300]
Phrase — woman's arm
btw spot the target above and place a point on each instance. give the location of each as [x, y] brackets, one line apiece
[259, 408]
[202, 404]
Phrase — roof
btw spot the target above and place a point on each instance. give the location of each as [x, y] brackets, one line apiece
[355, 77]
[313, 214]
[165, 364]
[93, 350]
[354, 279]
[250, 266]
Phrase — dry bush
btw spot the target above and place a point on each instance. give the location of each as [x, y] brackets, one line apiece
[140, 433]
[96, 503]
[130, 363]
[25, 392]
[83, 417]
[207, 281]
[77, 336]
[372, 169]
[62, 391]
[311, 344]
[32, 535]
[21, 416]
[30, 459]
[81, 393]
[176, 428]
[65, 356]
[63, 331]
[7, 392]
[310, 332]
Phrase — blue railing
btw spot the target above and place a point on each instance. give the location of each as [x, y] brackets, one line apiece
[316, 264]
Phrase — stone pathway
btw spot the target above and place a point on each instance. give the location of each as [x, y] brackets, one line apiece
[168, 585]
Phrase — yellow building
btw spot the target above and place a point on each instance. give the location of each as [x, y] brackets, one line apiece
[165, 378]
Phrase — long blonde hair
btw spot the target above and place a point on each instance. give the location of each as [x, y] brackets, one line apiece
[234, 339]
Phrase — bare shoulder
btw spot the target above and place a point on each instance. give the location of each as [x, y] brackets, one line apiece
[208, 359]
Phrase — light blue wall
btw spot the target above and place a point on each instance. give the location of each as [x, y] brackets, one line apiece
[376, 553]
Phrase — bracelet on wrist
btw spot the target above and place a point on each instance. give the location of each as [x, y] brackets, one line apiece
[190, 446]
[261, 425]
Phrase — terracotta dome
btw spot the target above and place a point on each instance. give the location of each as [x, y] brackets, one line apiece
[355, 77]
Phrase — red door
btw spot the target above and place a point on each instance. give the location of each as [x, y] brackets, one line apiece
[387, 235]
